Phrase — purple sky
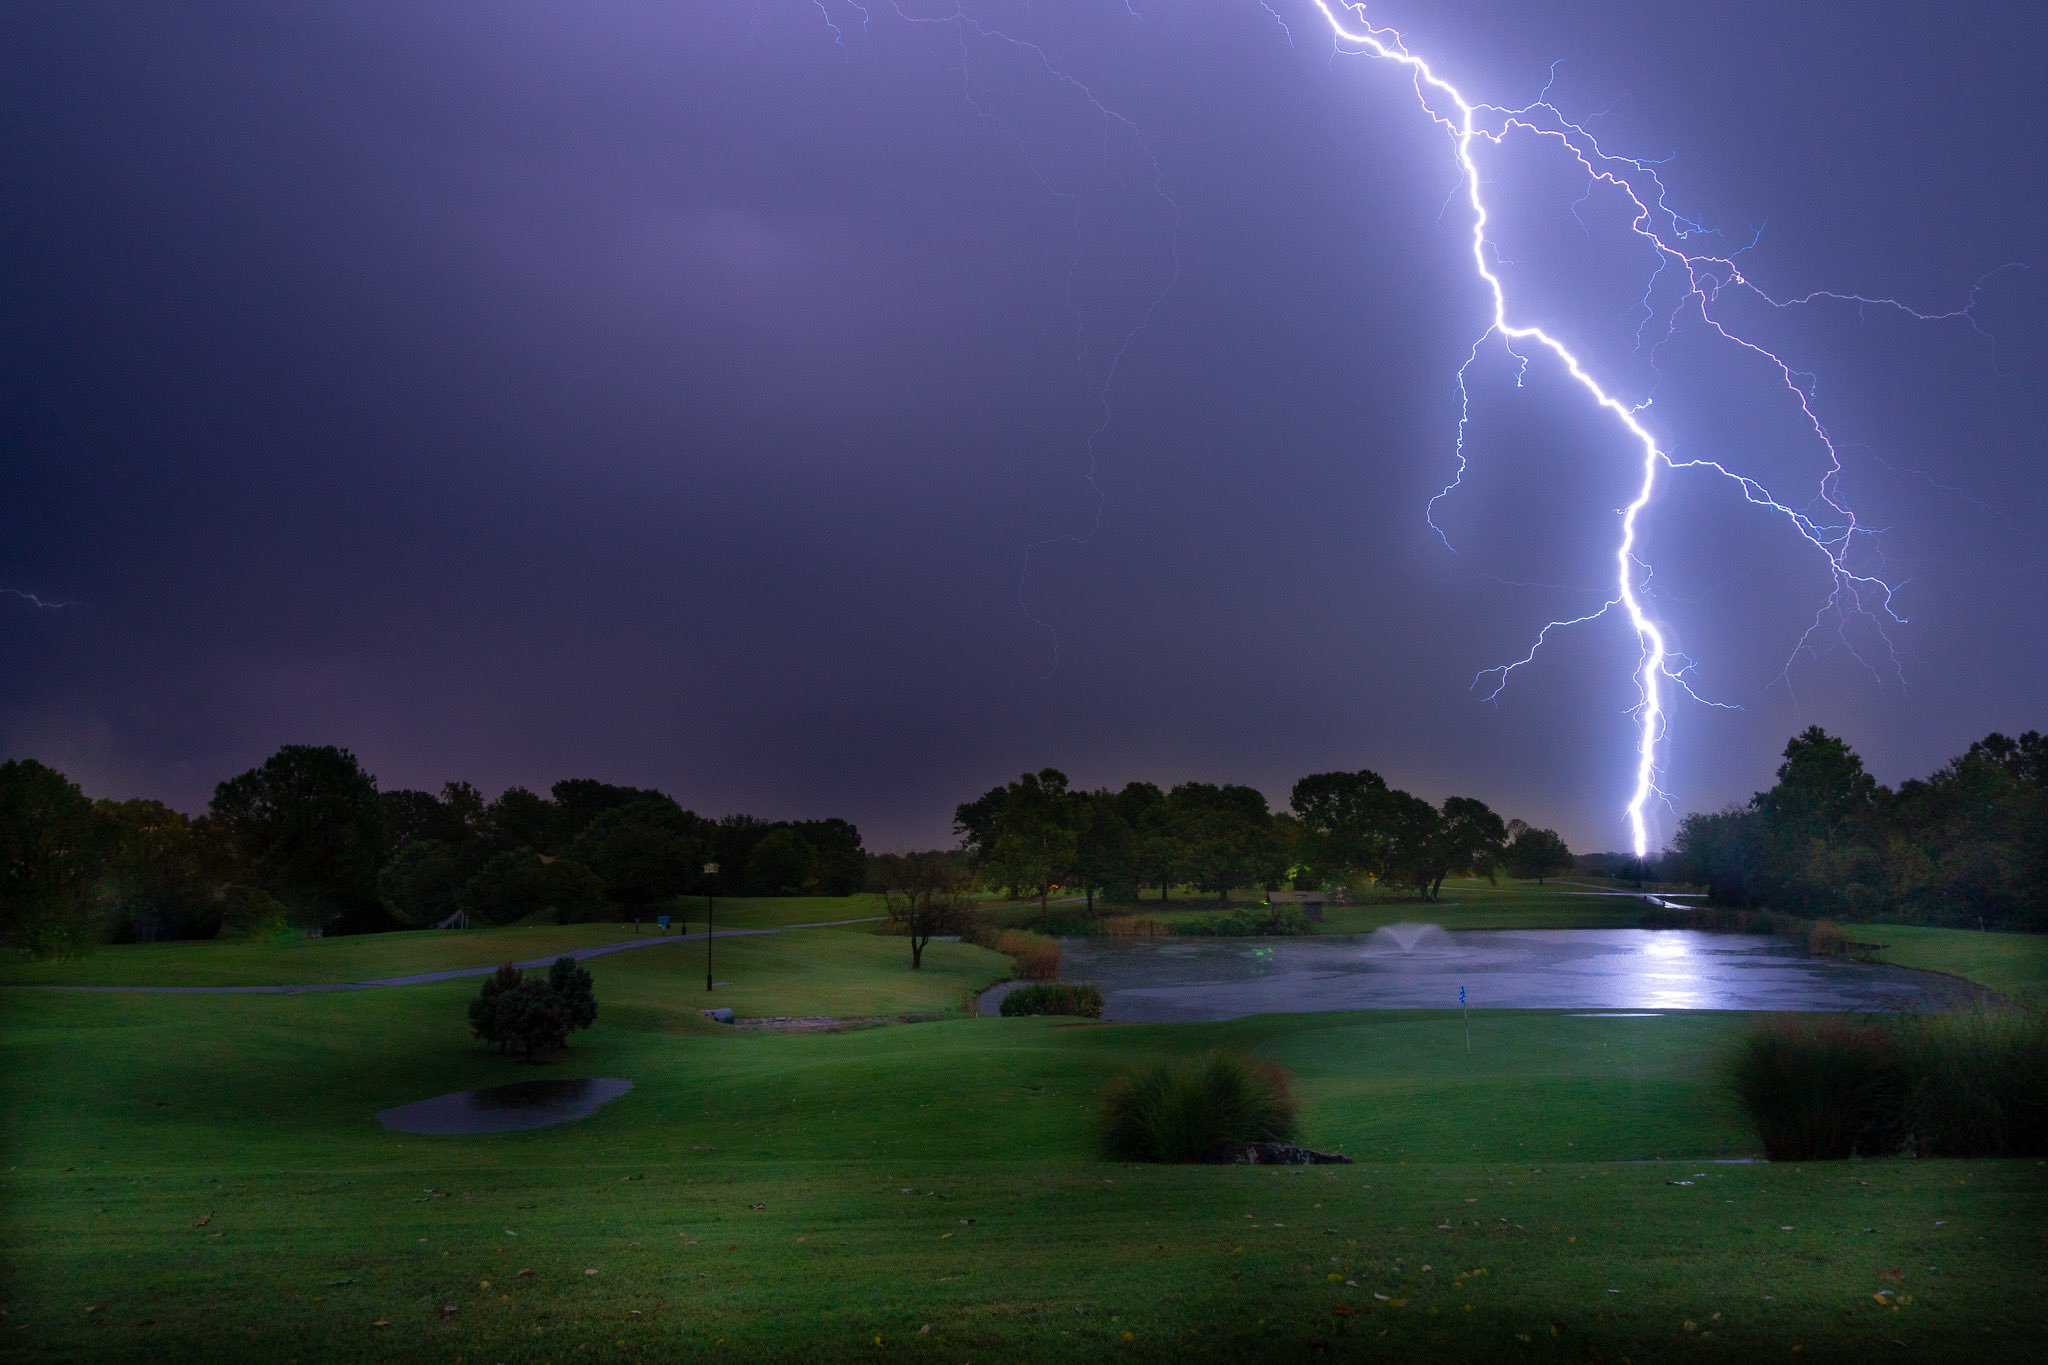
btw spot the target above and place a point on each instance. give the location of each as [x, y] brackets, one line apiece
[668, 394]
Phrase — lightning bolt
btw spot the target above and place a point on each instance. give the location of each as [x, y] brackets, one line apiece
[1826, 523]
[41, 604]
[1702, 281]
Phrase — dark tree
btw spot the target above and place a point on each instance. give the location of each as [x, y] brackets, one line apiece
[1022, 835]
[1223, 837]
[1537, 853]
[50, 861]
[1105, 848]
[411, 815]
[484, 1011]
[1346, 824]
[644, 852]
[1471, 840]
[525, 1014]
[781, 864]
[522, 884]
[924, 895]
[580, 800]
[572, 986]
[1142, 807]
[423, 883]
[839, 865]
[308, 827]
[1414, 848]
[520, 819]
[163, 870]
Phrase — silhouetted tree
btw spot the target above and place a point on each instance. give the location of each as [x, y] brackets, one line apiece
[308, 827]
[50, 860]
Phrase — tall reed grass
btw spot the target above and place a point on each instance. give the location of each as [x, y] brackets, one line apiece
[1036, 957]
[1972, 1083]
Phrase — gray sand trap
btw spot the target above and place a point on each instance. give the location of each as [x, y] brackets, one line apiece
[1423, 967]
[506, 1108]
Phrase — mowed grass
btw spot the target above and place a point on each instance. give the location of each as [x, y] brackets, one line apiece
[369, 957]
[2014, 965]
[203, 1176]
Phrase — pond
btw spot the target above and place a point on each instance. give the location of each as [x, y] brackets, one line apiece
[1414, 966]
[506, 1108]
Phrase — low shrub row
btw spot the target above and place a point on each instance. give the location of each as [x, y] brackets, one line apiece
[1965, 1084]
[1053, 997]
[1131, 926]
[1254, 921]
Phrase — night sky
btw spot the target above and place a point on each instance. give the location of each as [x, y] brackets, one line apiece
[669, 394]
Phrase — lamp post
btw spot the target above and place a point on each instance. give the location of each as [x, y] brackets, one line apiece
[710, 918]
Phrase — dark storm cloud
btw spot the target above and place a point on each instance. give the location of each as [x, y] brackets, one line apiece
[664, 393]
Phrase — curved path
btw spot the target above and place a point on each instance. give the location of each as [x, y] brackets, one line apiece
[453, 974]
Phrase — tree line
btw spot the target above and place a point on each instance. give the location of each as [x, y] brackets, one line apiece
[1967, 845]
[1341, 830]
[308, 840]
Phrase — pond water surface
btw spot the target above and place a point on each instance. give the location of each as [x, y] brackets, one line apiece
[1424, 967]
[506, 1108]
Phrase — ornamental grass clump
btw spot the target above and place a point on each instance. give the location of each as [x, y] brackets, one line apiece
[1821, 1088]
[1037, 957]
[1977, 1083]
[1209, 1108]
[1053, 997]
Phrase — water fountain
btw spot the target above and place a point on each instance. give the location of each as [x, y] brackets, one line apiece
[1411, 940]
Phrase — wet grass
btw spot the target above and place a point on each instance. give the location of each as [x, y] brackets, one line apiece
[202, 1176]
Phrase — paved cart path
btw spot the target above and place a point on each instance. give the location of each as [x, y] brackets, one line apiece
[453, 974]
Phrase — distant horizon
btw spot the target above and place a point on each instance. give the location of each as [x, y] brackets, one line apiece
[823, 422]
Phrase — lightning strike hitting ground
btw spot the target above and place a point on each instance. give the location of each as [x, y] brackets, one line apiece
[1833, 531]
[1826, 522]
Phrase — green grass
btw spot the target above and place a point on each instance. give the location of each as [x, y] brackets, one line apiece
[202, 1176]
[367, 957]
[2014, 965]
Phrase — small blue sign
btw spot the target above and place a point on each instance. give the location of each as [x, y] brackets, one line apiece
[663, 922]
[1461, 995]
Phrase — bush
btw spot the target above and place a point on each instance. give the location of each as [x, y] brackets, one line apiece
[1821, 1089]
[1052, 997]
[1978, 1083]
[1208, 1108]
[524, 1014]
[1261, 921]
[1132, 926]
[1036, 957]
[249, 912]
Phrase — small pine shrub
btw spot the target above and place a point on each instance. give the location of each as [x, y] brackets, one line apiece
[1037, 957]
[1206, 1108]
[525, 1014]
[1821, 1089]
[1053, 997]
